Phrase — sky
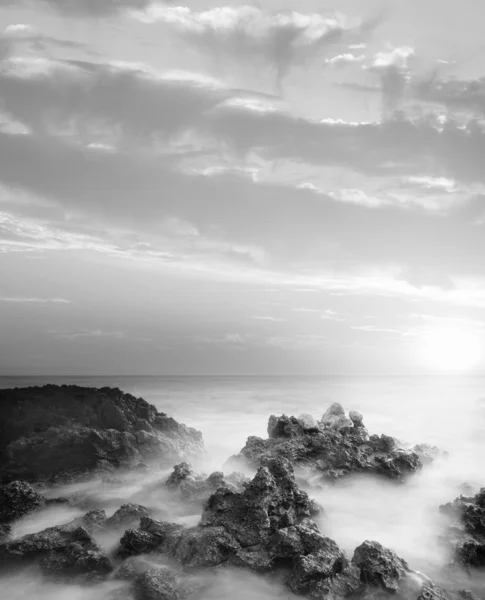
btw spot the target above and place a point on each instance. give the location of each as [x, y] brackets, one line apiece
[215, 187]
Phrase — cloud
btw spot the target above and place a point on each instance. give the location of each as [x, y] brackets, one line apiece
[394, 72]
[86, 334]
[89, 8]
[458, 95]
[55, 96]
[33, 300]
[268, 318]
[279, 40]
[344, 59]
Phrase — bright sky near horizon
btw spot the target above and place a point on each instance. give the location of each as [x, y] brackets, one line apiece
[282, 187]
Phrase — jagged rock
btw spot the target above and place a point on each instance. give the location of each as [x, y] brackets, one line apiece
[340, 447]
[164, 584]
[65, 552]
[180, 473]
[196, 489]
[93, 520]
[127, 516]
[5, 532]
[58, 433]
[156, 584]
[136, 541]
[270, 501]
[325, 562]
[380, 567]
[18, 499]
[268, 526]
[468, 529]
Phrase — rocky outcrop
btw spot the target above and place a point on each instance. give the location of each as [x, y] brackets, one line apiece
[18, 499]
[54, 433]
[467, 532]
[194, 489]
[338, 446]
[164, 584]
[66, 553]
[269, 527]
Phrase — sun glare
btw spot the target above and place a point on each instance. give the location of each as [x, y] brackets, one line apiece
[452, 348]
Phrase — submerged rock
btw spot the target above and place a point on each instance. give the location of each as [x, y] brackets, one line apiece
[337, 447]
[58, 433]
[195, 489]
[467, 533]
[65, 552]
[379, 567]
[268, 527]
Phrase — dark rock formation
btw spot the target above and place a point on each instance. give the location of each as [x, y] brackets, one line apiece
[18, 499]
[164, 584]
[127, 516]
[339, 446]
[268, 526]
[380, 567]
[67, 553]
[467, 532]
[195, 489]
[61, 432]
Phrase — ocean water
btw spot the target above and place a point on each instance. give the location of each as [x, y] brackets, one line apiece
[446, 411]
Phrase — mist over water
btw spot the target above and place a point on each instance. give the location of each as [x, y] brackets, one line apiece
[448, 412]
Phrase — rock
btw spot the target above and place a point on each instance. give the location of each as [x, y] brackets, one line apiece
[18, 499]
[467, 529]
[156, 584]
[65, 552]
[136, 541]
[284, 427]
[94, 520]
[270, 501]
[324, 563]
[195, 489]
[332, 415]
[267, 527]
[64, 433]
[380, 567]
[164, 584]
[307, 423]
[339, 448]
[127, 516]
[5, 533]
[180, 473]
[356, 417]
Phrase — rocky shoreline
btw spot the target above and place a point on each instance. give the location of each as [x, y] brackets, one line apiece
[54, 438]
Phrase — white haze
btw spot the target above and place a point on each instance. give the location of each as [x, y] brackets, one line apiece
[447, 412]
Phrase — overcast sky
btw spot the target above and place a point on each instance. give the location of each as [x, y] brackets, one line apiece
[221, 188]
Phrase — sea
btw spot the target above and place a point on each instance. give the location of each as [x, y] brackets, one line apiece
[445, 411]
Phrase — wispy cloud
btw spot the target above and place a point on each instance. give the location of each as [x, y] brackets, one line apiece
[86, 334]
[268, 318]
[279, 40]
[33, 300]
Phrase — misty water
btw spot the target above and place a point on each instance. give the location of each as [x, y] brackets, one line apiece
[448, 412]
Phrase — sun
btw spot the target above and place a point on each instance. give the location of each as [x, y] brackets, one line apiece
[452, 348]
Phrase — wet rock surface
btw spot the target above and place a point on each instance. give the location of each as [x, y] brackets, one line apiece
[18, 499]
[268, 527]
[54, 433]
[263, 525]
[467, 532]
[194, 489]
[339, 446]
[66, 553]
